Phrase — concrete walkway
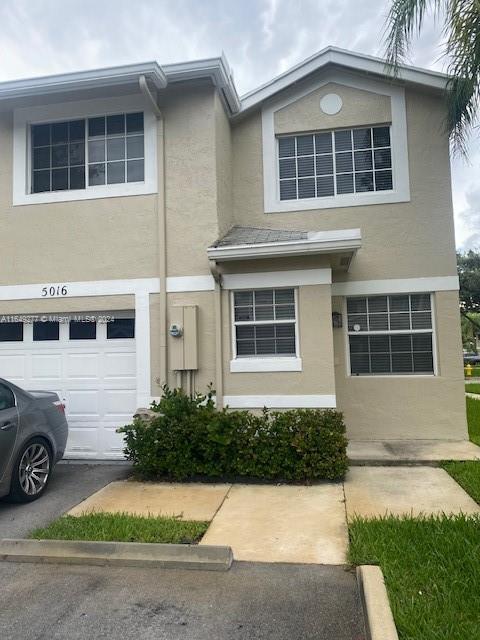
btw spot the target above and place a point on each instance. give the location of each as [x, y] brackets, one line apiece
[189, 501]
[285, 523]
[377, 491]
[421, 452]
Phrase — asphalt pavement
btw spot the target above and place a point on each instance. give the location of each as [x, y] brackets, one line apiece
[70, 484]
[252, 601]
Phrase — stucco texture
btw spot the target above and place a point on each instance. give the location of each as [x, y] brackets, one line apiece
[407, 407]
[316, 351]
[402, 240]
[358, 107]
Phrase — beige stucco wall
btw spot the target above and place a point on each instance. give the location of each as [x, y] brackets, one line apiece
[205, 336]
[316, 351]
[401, 240]
[214, 179]
[67, 305]
[359, 108]
[190, 178]
[407, 407]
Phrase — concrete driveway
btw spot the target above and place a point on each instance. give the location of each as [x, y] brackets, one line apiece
[249, 602]
[70, 484]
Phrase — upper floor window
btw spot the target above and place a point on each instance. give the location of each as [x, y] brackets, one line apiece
[332, 163]
[77, 154]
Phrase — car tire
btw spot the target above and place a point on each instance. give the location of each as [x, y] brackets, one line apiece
[31, 472]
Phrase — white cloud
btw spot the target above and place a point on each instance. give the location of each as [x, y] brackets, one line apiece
[261, 38]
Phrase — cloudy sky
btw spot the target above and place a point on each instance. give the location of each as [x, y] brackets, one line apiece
[261, 38]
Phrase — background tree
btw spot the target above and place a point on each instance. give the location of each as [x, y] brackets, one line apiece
[468, 267]
[461, 30]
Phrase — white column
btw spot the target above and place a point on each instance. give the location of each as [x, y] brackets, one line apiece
[142, 339]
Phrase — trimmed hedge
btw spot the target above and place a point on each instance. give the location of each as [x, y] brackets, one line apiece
[188, 437]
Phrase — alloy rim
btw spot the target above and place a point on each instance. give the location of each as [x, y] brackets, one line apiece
[34, 469]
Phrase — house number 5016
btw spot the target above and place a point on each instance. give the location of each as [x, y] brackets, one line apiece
[54, 291]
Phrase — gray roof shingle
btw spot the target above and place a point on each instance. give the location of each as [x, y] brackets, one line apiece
[253, 235]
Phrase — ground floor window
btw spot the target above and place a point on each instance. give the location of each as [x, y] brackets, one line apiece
[391, 334]
[264, 323]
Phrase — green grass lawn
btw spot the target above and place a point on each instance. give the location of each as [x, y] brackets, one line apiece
[472, 387]
[122, 527]
[432, 572]
[475, 372]
[473, 419]
[467, 474]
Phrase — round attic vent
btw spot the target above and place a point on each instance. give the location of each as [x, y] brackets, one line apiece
[331, 104]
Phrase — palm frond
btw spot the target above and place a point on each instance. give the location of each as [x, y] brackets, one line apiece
[461, 30]
[404, 19]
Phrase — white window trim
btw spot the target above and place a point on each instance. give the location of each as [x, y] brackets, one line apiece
[267, 363]
[399, 146]
[277, 279]
[25, 117]
[281, 402]
[407, 376]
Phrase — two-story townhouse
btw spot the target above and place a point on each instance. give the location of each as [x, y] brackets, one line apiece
[295, 247]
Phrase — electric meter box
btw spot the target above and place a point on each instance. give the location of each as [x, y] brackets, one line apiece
[184, 345]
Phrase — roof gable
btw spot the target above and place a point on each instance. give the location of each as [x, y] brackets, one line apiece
[346, 60]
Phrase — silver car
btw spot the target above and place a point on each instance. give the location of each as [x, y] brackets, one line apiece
[33, 435]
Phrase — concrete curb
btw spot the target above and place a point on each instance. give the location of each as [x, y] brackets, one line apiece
[376, 606]
[124, 554]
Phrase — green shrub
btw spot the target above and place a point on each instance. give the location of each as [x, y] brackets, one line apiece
[188, 437]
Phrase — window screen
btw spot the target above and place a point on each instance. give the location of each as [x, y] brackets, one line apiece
[264, 322]
[334, 163]
[92, 151]
[390, 334]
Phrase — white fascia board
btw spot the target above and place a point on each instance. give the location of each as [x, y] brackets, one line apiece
[178, 284]
[84, 80]
[317, 243]
[264, 365]
[268, 279]
[281, 402]
[348, 59]
[395, 285]
[79, 289]
[216, 68]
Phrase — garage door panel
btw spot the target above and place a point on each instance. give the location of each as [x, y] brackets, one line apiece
[83, 442]
[46, 366]
[112, 443]
[96, 379]
[83, 402]
[13, 366]
[119, 365]
[119, 402]
[85, 366]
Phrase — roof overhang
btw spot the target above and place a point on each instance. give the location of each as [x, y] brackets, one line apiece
[343, 241]
[214, 69]
[217, 69]
[349, 60]
[93, 79]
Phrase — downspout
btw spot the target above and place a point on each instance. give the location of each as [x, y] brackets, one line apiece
[217, 276]
[160, 213]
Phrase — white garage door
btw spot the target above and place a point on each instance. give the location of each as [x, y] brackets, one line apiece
[91, 364]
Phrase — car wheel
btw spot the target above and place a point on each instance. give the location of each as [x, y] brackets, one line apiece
[31, 472]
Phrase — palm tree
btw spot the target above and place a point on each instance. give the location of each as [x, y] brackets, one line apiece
[461, 30]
